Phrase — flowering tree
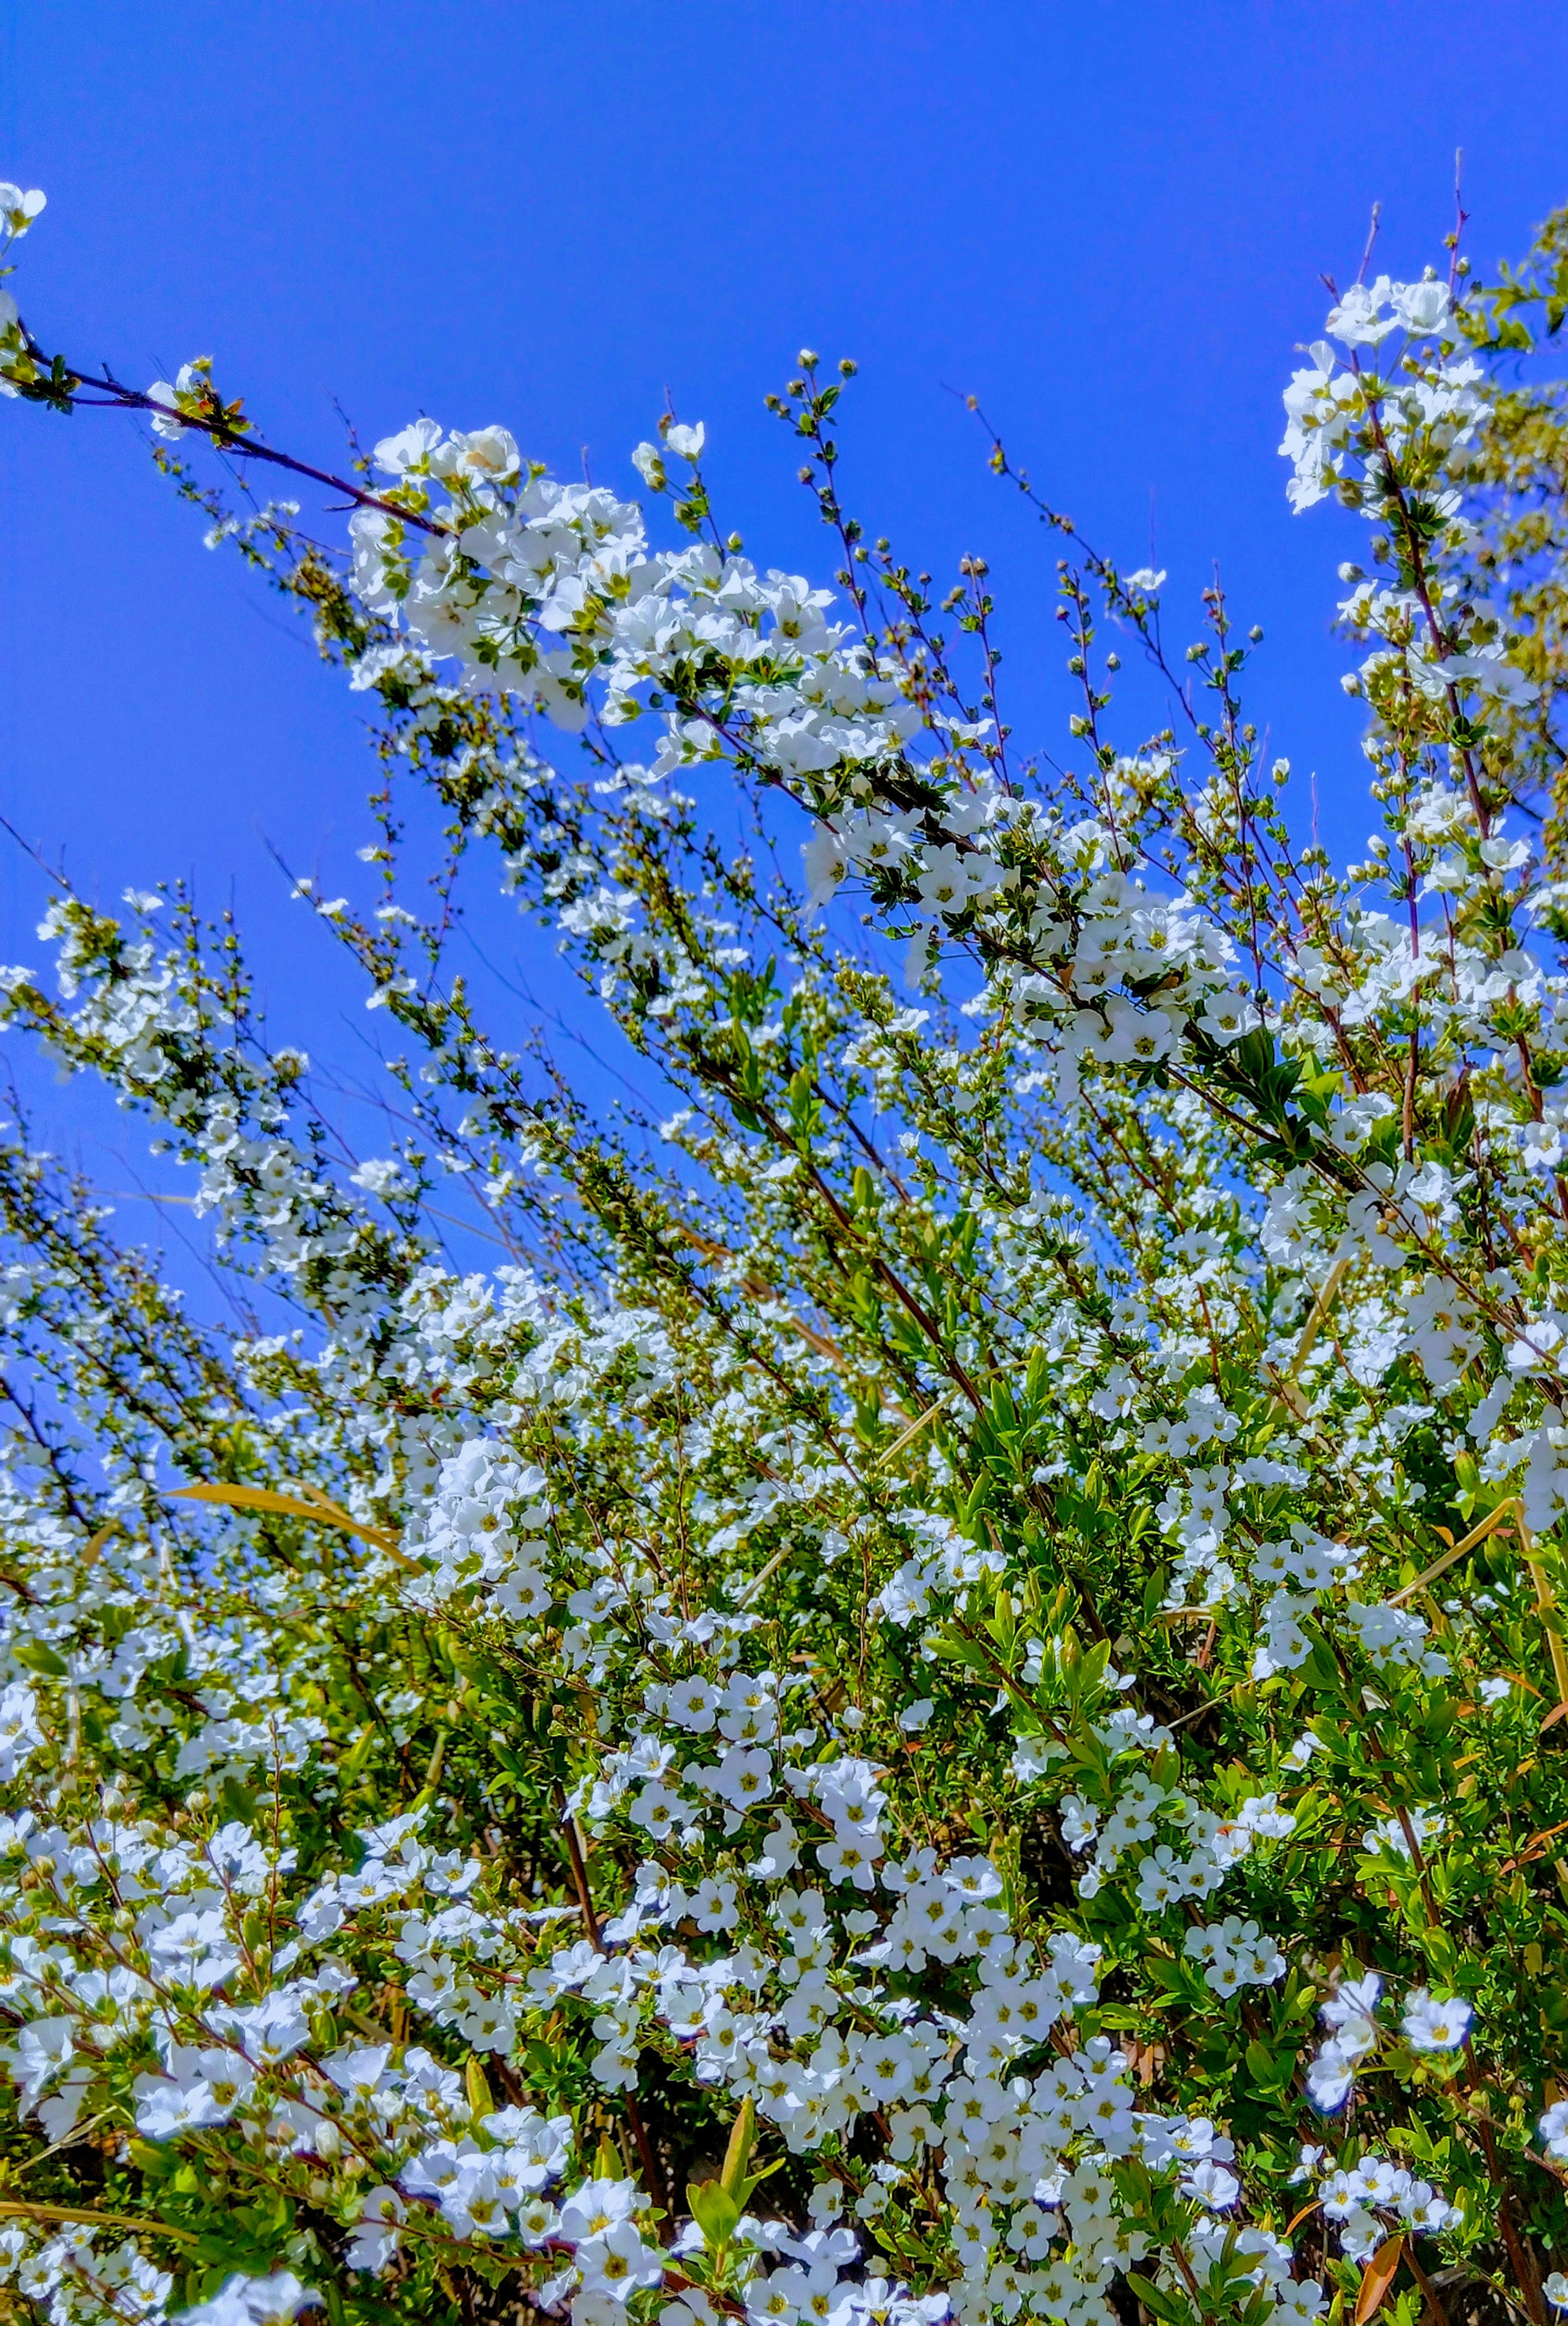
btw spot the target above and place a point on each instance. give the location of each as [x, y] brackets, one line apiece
[947, 1696]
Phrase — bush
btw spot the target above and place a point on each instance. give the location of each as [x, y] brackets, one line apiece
[948, 1693]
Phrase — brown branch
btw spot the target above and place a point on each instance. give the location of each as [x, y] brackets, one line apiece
[656, 2188]
[232, 437]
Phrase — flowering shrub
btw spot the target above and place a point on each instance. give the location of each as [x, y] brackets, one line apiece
[945, 1697]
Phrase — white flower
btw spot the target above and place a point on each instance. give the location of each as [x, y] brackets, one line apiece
[489, 455]
[596, 2206]
[373, 2241]
[826, 862]
[1421, 309]
[1213, 2186]
[411, 448]
[1433, 2025]
[1352, 1998]
[166, 423]
[1226, 1017]
[21, 1734]
[42, 2048]
[1424, 2208]
[274, 2301]
[743, 1778]
[618, 2261]
[686, 443]
[18, 210]
[1298, 2305]
[1357, 321]
[849, 1858]
[201, 2087]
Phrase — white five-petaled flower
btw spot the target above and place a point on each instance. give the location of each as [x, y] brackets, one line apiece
[1431, 2024]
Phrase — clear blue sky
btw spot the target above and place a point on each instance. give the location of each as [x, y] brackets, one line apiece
[1109, 223]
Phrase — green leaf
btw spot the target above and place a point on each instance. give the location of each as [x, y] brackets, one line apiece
[737, 2156]
[1157, 2304]
[1270, 2071]
[40, 1659]
[714, 2211]
[358, 1753]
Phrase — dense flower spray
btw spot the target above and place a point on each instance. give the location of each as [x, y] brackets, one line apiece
[944, 1699]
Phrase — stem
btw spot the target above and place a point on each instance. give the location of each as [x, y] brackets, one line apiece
[63, 2215]
[639, 2130]
[238, 441]
[1545, 1602]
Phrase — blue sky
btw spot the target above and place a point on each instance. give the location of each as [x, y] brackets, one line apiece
[1108, 224]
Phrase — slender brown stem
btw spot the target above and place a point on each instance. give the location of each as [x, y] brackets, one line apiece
[639, 2131]
[118, 397]
[1435, 2314]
